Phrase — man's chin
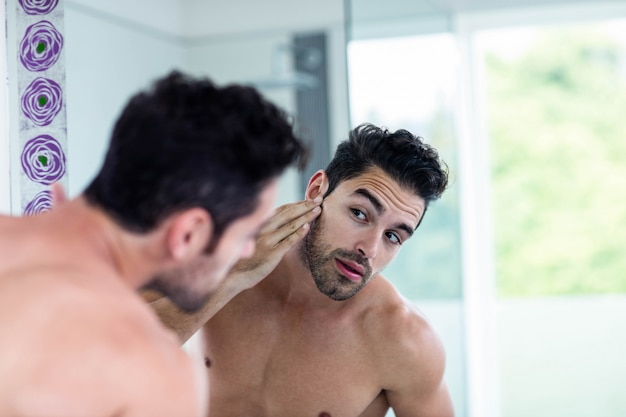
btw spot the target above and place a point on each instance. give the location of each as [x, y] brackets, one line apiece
[341, 296]
[188, 304]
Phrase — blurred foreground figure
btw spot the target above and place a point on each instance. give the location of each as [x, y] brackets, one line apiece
[188, 180]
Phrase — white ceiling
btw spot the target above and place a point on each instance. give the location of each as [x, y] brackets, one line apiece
[380, 9]
[198, 18]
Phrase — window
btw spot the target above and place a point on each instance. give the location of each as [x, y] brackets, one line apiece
[554, 114]
[534, 132]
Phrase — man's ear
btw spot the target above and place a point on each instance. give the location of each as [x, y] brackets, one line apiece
[189, 234]
[318, 185]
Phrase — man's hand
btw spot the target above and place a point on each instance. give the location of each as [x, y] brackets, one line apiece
[288, 225]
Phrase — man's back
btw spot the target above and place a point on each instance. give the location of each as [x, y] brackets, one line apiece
[76, 341]
[273, 358]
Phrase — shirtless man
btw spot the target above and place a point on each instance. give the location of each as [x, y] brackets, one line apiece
[324, 335]
[188, 180]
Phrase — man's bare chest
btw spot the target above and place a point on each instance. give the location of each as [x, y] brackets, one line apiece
[292, 368]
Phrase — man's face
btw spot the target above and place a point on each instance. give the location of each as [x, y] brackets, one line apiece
[190, 286]
[364, 222]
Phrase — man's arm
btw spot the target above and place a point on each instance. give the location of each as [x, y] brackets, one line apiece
[418, 388]
[288, 225]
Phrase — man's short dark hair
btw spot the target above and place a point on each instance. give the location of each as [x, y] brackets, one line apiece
[415, 165]
[187, 143]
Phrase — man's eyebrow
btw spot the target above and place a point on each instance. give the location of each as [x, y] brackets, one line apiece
[377, 205]
[406, 228]
[379, 209]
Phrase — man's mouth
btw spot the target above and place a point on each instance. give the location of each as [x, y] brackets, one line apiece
[351, 270]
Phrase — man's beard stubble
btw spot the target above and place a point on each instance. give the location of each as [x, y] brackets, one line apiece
[173, 286]
[319, 258]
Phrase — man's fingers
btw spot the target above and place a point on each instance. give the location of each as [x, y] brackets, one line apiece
[294, 226]
[284, 245]
[58, 194]
[297, 223]
[299, 205]
[288, 213]
[274, 241]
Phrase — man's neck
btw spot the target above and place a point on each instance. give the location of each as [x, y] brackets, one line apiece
[84, 234]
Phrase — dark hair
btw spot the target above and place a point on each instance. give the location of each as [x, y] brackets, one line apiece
[405, 157]
[187, 143]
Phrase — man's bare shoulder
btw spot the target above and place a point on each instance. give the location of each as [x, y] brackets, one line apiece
[79, 344]
[410, 357]
[402, 334]
[58, 298]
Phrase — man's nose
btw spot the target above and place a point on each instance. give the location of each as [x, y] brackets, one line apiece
[368, 245]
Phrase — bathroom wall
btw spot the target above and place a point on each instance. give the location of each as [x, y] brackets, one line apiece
[108, 58]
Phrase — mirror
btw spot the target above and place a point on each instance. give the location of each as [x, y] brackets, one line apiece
[113, 49]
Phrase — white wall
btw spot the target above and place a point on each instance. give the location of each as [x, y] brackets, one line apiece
[218, 17]
[162, 17]
[107, 60]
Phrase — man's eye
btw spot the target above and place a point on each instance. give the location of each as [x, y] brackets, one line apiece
[394, 238]
[358, 214]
